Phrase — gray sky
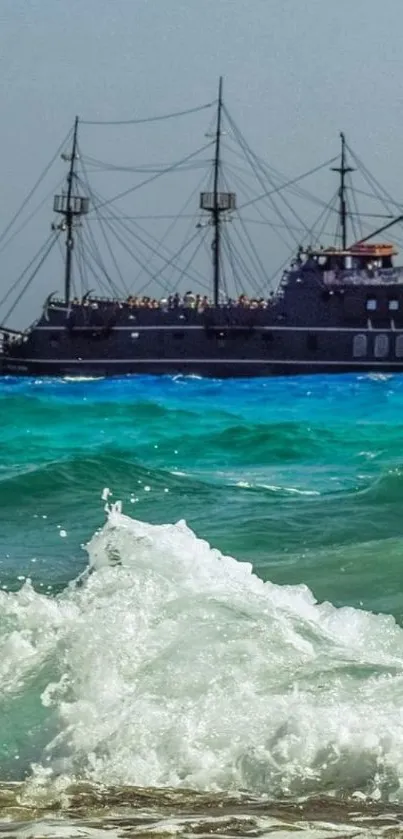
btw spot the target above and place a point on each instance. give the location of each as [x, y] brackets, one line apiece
[296, 72]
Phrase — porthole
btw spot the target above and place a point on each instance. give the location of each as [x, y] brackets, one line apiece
[381, 346]
[134, 335]
[393, 305]
[371, 304]
[360, 346]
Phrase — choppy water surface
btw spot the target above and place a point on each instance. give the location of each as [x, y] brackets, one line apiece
[224, 654]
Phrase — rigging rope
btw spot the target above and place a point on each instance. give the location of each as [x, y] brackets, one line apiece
[24, 272]
[143, 120]
[154, 177]
[31, 215]
[31, 277]
[35, 186]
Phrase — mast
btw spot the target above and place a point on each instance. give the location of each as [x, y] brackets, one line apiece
[343, 171]
[216, 202]
[70, 217]
[70, 205]
[216, 212]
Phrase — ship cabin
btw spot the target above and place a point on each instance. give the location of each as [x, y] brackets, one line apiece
[360, 263]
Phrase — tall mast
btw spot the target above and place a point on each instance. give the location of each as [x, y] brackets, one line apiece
[217, 203]
[69, 215]
[70, 205]
[343, 171]
[216, 210]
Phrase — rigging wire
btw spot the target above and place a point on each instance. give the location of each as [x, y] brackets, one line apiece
[264, 170]
[151, 168]
[370, 178]
[289, 183]
[323, 219]
[93, 250]
[299, 192]
[231, 260]
[381, 193]
[355, 218]
[143, 120]
[110, 251]
[19, 279]
[115, 217]
[283, 225]
[249, 156]
[31, 216]
[86, 248]
[31, 278]
[137, 238]
[237, 257]
[280, 270]
[82, 267]
[275, 225]
[154, 177]
[192, 257]
[166, 265]
[170, 227]
[256, 256]
[35, 186]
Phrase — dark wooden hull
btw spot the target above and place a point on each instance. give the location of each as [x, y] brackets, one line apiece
[222, 343]
[202, 367]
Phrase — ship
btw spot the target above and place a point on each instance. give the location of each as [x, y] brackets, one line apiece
[336, 308]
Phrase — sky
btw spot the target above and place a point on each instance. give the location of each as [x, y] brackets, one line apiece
[296, 72]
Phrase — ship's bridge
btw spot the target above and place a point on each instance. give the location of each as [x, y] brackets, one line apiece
[360, 263]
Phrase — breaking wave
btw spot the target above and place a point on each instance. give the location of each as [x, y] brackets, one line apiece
[169, 664]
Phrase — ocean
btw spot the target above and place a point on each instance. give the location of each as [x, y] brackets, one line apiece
[201, 607]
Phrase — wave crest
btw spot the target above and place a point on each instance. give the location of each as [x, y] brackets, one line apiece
[169, 664]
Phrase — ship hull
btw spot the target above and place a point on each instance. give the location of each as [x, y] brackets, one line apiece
[229, 344]
[196, 367]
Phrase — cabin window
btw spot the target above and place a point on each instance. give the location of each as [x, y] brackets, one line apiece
[178, 335]
[268, 337]
[399, 346]
[381, 346]
[312, 343]
[360, 346]
[54, 339]
[134, 335]
[393, 305]
[371, 304]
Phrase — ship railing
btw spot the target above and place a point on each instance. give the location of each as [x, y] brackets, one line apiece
[9, 337]
[162, 305]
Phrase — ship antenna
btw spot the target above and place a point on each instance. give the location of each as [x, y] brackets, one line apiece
[216, 210]
[70, 205]
[343, 170]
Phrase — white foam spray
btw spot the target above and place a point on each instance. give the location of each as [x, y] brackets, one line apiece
[175, 665]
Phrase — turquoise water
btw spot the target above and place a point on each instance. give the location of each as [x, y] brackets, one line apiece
[172, 664]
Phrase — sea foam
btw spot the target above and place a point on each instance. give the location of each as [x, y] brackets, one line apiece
[169, 664]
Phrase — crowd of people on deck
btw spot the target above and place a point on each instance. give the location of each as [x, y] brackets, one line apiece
[176, 301]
